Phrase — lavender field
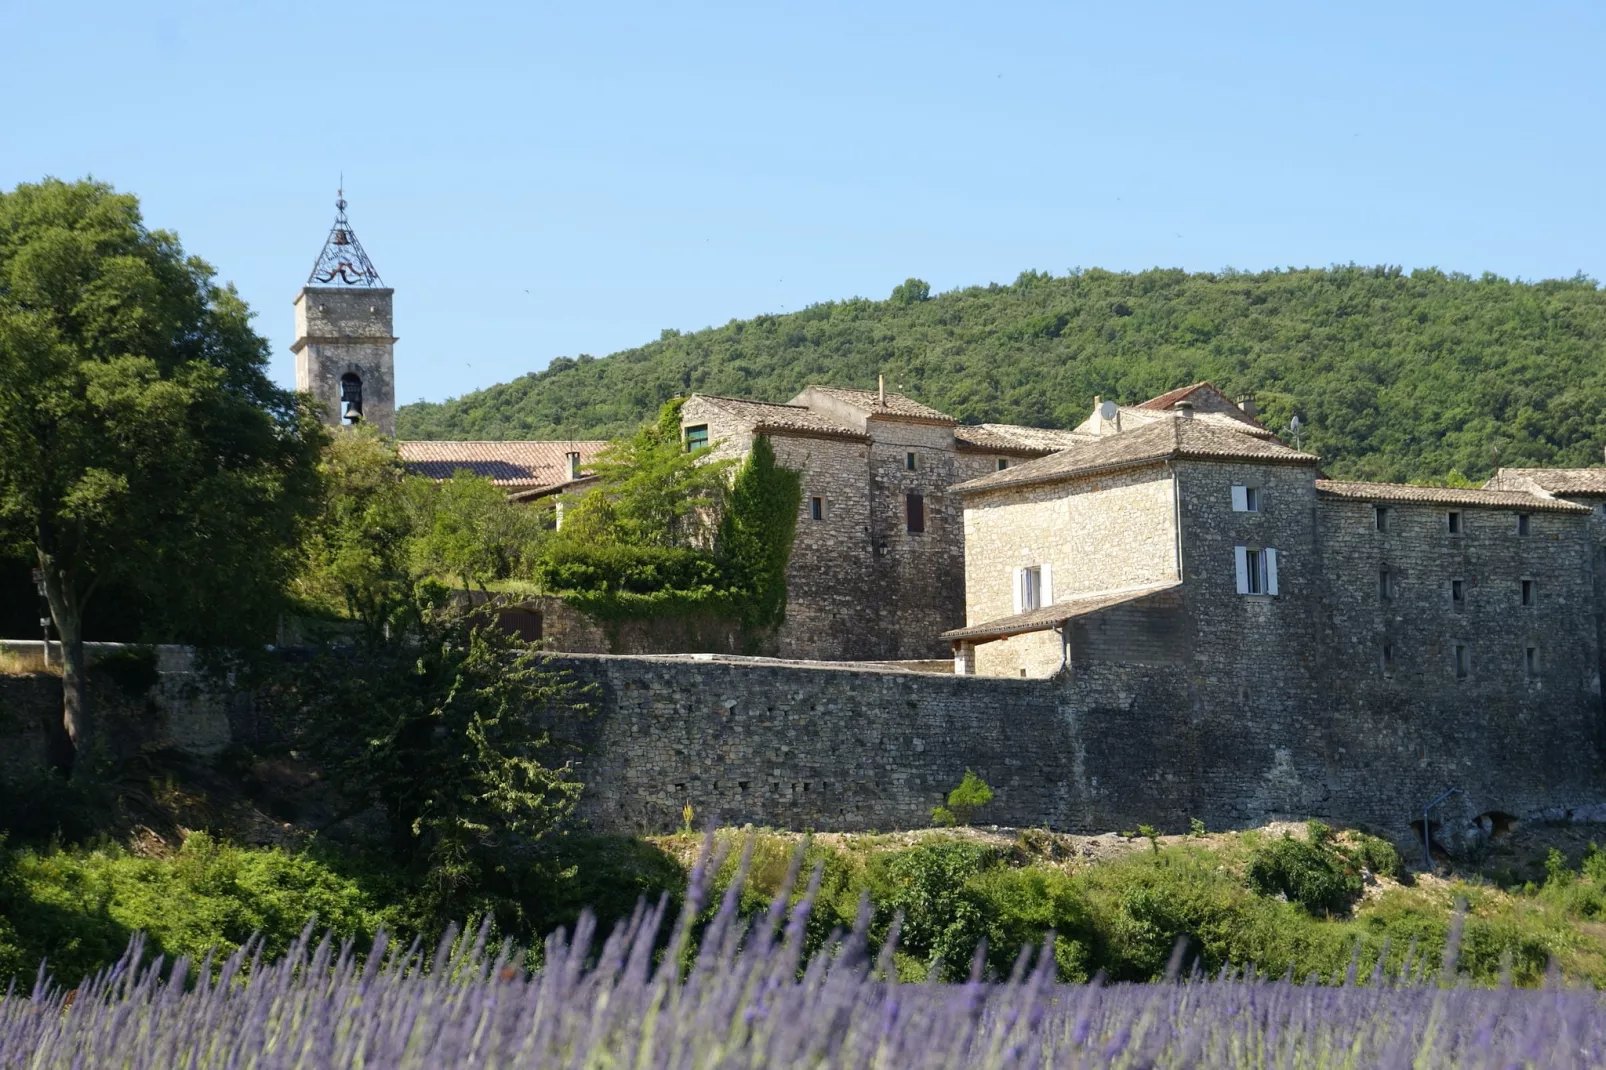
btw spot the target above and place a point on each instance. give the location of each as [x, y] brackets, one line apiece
[746, 995]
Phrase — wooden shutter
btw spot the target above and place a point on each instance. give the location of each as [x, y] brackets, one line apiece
[1271, 571]
[1240, 499]
[1242, 553]
[1017, 581]
[1046, 591]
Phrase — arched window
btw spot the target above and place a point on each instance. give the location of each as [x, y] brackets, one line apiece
[350, 399]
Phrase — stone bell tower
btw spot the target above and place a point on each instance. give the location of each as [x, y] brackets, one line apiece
[344, 347]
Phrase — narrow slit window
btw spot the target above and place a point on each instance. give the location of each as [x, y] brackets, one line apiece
[1530, 662]
[1380, 517]
[1454, 522]
[1463, 667]
[914, 512]
[816, 508]
[1388, 659]
[1522, 523]
[909, 461]
[1529, 592]
[1458, 593]
[1385, 585]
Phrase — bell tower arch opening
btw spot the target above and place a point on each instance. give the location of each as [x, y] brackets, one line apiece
[345, 337]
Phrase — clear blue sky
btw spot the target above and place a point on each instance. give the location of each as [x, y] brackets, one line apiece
[543, 179]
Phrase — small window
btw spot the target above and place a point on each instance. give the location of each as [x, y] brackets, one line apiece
[1463, 667]
[1256, 560]
[1530, 662]
[696, 437]
[1455, 522]
[909, 461]
[816, 508]
[1003, 463]
[1257, 570]
[914, 512]
[1380, 517]
[1031, 588]
[1388, 659]
[1245, 499]
[1385, 585]
[1522, 523]
[1458, 593]
[1528, 592]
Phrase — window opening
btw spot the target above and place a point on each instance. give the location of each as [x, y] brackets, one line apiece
[1455, 522]
[1003, 463]
[1385, 585]
[1380, 517]
[1257, 570]
[1256, 560]
[350, 399]
[696, 437]
[1458, 593]
[1245, 499]
[1461, 661]
[914, 511]
[816, 508]
[1388, 659]
[1522, 523]
[909, 461]
[1530, 661]
[1528, 592]
[1031, 589]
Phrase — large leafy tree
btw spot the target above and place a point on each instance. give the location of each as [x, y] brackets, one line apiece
[141, 441]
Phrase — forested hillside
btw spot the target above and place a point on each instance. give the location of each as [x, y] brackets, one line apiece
[1418, 376]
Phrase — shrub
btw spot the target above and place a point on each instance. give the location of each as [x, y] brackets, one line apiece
[943, 917]
[1308, 872]
[963, 802]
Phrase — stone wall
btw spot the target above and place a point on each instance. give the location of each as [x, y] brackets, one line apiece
[340, 330]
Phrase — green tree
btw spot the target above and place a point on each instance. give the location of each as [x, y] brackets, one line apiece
[756, 533]
[651, 490]
[466, 528]
[459, 733]
[141, 441]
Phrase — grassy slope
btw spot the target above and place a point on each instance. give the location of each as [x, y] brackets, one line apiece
[1397, 376]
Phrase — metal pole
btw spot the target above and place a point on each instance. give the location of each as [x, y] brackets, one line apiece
[1427, 850]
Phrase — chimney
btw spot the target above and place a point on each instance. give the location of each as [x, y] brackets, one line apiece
[881, 390]
[1250, 407]
[1184, 409]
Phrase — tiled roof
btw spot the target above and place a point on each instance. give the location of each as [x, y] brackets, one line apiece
[1562, 481]
[1404, 492]
[1038, 620]
[1177, 438]
[507, 464]
[780, 419]
[1171, 397]
[1011, 438]
[897, 404]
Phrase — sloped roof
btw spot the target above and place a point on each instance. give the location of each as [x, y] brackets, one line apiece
[507, 464]
[1012, 438]
[1585, 482]
[773, 418]
[1176, 438]
[1046, 617]
[897, 405]
[1404, 492]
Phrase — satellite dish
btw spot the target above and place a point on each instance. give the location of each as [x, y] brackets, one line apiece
[1293, 425]
[1109, 410]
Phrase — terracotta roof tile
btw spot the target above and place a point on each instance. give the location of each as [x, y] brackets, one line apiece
[1404, 492]
[1177, 438]
[780, 419]
[898, 405]
[1011, 438]
[1562, 481]
[1038, 620]
[507, 464]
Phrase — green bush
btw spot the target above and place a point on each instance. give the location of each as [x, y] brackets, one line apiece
[943, 917]
[963, 802]
[1308, 872]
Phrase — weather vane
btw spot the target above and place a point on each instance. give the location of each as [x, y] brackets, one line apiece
[343, 261]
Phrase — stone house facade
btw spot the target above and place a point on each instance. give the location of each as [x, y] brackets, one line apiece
[877, 567]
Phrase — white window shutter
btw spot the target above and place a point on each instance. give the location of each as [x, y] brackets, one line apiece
[1240, 499]
[1047, 596]
[1019, 584]
[1242, 553]
[1271, 571]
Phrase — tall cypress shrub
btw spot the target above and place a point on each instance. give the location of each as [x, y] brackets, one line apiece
[756, 532]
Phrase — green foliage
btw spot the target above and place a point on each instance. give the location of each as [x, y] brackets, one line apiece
[971, 795]
[943, 918]
[466, 528]
[1309, 872]
[1196, 828]
[756, 533]
[78, 908]
[459, 734]
[1396, 375]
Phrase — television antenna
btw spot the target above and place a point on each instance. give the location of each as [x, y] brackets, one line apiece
[1295, 431]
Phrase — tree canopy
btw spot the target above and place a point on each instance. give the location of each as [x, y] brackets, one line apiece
[1395, 375]
[141, 441]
